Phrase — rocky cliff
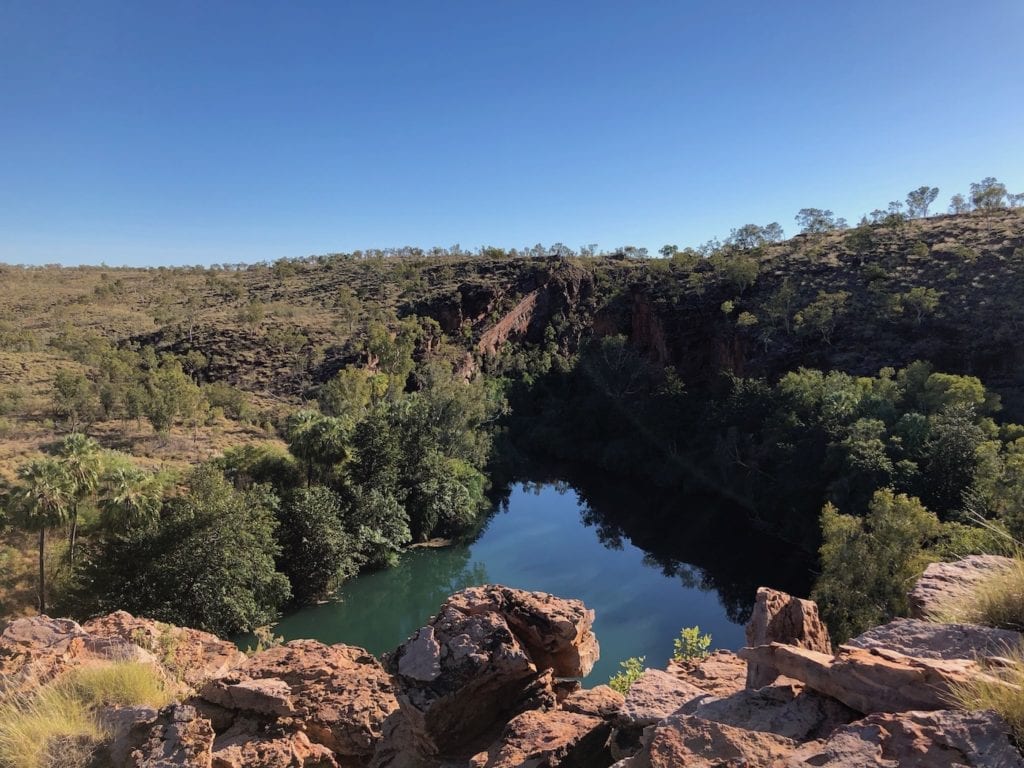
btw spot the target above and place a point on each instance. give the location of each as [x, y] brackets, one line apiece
[490, 682]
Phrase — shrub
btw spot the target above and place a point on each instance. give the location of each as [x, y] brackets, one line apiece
[632, 669]
[691, 645]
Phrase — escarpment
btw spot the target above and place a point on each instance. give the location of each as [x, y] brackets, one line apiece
[491, 682]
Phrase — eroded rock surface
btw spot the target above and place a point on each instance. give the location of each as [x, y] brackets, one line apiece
[928, 640]
[655, 696]
[868, 681]
[948, 584]
[781, 618]
[549, 740]
[939, 739]
[721, 673]
[179, 738]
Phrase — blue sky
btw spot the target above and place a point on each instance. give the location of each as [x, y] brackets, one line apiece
[200, 132]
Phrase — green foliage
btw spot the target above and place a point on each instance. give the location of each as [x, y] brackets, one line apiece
[869, 564]
[75, 400]
[317, 553]
[631, 671]
[691, 645]
[209, 564]
[822, 314]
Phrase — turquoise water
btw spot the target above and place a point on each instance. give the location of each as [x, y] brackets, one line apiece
[538, 543]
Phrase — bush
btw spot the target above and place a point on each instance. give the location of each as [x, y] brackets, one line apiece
[691, 645]
[632, 669]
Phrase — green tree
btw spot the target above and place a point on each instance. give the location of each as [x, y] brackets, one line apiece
[958, 204]
[42, 500]
[209, 564]
[922, 300]
[822, 314]
[869, 564]
[82, 463]
[317, 553]
[74, 399]
[920, 199]
[988, 194]
[130, 498]
[816, 221]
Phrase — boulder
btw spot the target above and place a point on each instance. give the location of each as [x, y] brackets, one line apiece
[36, 649]
[873, 680]
[781, 618]
[938, 739]
[786, 709]
[179, 738]
[289, 750]
[461, 677]
[340, 694]
[653, 697]
[929, 640]
[548, 740]
[721, 673]
[599, 701]
[127, 729]
[556, 633]
[189, 654]
[685, 740]
[945, 585]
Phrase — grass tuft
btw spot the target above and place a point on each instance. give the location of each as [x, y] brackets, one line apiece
[1001, 689]
[997, 601]
[56, 726]
[118, 684]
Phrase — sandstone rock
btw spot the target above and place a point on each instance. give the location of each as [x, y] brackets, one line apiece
[341, 694]
[483, 674]
[599, 701]
[36, 649]
[787, 710]
[654, 696]
[945, 584]
[548, 740]
[875, 680]
[721, 673]
[684, 740]
[292, 750]
[939, 739]
[265, 696]
[556, 633]
[928, 640]
[781, 618]
[127, 729]
[178, 738]
[193, 656]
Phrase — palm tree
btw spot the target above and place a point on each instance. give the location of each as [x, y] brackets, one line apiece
[131, 498]
[80, 456]
[42, 500]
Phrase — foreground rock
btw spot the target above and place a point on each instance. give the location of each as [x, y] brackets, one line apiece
[189, 654]
[340, 694]
[868, 681]
[685, 740]
[655, 696]
[948, 585]
[35, 650]
[489, 654]
[549, 739]
[721, 673]
[781, 618]
[940, 739]
[928, 640]
[179, 737]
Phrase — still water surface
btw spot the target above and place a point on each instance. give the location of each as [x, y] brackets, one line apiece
[538, 543]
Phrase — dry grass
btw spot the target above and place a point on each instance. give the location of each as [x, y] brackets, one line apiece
[1001, 690]
[55, 727]
[997, 601]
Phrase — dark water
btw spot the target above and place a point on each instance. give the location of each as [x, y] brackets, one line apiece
[539, 542]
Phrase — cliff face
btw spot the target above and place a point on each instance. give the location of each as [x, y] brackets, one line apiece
[487, 683]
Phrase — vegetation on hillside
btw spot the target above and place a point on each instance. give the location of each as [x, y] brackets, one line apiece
[206, 445]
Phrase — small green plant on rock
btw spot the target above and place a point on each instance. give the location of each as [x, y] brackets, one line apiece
[691, 645]
[632, 669]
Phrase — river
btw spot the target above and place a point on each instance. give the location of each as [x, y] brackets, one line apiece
[538, 541]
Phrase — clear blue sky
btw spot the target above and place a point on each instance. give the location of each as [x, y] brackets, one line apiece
[198, 132]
